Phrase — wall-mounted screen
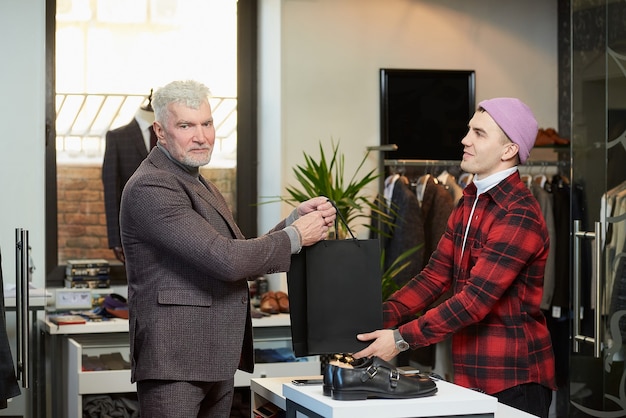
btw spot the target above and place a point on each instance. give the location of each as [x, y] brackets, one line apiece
[425, 112]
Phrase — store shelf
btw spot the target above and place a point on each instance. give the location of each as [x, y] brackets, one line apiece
[121, 325]
[261, 370]
[99, 381]
[105, 337]
[80, 382]
[274, 332]
[278, 320]
[112, 325]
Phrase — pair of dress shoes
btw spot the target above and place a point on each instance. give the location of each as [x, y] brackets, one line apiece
[274, 302]
[374, 378]
[548, 136]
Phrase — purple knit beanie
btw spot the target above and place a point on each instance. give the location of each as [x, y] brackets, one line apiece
[516, 120]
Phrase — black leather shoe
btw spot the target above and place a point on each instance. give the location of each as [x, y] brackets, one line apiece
[378, 380]
[327, 377]
[354, 364]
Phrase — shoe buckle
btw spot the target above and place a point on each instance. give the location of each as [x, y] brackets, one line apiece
[369, 373]
[394, 377]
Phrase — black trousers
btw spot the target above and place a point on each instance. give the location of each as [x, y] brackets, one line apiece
[530, 397]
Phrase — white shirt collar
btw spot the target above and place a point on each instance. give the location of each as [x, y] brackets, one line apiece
[488, 182]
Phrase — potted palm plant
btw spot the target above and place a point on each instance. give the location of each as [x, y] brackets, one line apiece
[325, 176]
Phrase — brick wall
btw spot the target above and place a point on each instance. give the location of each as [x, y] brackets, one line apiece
[80, 207]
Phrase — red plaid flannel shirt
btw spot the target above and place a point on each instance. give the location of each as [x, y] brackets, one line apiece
[499, 334]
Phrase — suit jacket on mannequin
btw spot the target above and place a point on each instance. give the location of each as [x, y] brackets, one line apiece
[187, 262]
[125, 150]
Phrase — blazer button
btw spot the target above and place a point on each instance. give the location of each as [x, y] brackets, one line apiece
[244, 300]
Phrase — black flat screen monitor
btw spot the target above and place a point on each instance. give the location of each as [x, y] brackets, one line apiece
[425, 112]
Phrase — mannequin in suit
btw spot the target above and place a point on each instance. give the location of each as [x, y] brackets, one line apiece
[188, 263]
[126, 148]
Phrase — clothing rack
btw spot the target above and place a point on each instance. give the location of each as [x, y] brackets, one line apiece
[417, 168]
[443, 163]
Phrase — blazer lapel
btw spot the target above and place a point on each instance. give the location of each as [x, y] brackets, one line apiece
[205, 189]
[212, 195]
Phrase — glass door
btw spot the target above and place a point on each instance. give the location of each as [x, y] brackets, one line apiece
[598, 209]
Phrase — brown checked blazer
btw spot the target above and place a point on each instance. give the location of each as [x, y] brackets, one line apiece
[125, 150]
[187, 264]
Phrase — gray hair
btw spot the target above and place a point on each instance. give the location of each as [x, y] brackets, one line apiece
[189, 93]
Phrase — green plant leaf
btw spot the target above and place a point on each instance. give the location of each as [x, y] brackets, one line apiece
[388, 284]
[325, 176]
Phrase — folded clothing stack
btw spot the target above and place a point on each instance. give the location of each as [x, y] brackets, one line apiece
[276, 355]
[112, 361]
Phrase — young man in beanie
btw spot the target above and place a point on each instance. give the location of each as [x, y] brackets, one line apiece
[493, 255]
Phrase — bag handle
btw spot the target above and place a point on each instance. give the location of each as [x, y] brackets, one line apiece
[340, 216]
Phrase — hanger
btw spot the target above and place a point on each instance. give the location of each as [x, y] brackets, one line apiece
[420, 187]
[444, 176]
[148, 107]
[541, 178]
[465, 179]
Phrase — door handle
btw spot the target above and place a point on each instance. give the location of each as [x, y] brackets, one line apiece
[579, 236]
[22, 268]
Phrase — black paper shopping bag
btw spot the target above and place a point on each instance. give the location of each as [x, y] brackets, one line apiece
[296, 284]
[334, 294]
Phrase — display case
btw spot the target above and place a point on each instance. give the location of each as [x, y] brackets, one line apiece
[74, 344]
[88, 371]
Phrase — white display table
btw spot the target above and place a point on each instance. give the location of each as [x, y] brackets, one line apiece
[450, 400]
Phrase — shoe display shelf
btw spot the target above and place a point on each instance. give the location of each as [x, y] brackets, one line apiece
[68, 345]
